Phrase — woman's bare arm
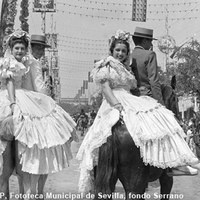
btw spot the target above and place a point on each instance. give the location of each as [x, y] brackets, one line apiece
[110, 97]
[11, 91]
[107, 91]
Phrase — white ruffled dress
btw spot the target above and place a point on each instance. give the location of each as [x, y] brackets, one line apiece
[152, 127]
[42, 128]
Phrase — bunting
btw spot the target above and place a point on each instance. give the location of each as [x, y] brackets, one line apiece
[106, 3]
[139, 10]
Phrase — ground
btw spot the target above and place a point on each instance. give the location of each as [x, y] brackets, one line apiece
[66, 183]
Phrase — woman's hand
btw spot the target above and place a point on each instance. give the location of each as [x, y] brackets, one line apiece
[118, 106]
[12, 106]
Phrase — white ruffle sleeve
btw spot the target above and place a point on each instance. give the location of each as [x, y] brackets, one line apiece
[10, 67]
[102, 72]
[114, 71]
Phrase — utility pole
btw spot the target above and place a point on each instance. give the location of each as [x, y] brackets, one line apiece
[44, 6]
[167, 34]
[53, 61]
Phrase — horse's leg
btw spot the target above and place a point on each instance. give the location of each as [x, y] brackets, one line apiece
[133, 179]
[21, 186]
[26, 180]
[99, 194]
[41, 184]
[20, 174]
[4, 188]
[8, 167]
[106, 171]
[113, 181]
[132, 172]
[34, 182]
[166, 184]
[30, 184]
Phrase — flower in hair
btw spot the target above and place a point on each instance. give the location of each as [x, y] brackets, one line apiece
[17, 34]
[122, 35]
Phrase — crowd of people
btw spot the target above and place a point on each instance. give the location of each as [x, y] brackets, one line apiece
[43, 131]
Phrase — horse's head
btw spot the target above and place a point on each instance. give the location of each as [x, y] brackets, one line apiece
[170, 99]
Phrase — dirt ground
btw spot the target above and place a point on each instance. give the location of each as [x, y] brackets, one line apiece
[64, 185]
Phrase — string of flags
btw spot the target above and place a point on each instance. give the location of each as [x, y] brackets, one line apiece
[78, 38]
[81, 43]
[83, 52]
[103, 3]
[130, 4]
[94, 16]
[84, 48]
[97, 8]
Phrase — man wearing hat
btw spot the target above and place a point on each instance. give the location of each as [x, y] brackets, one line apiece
[144, 64]
[145, 68]
[34, 80]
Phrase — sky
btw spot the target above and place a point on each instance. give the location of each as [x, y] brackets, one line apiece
[85, 26]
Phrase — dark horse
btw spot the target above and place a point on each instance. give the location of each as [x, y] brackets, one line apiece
[119, 158]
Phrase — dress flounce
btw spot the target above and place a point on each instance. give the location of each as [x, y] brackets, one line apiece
[43, 130]
[10, 67]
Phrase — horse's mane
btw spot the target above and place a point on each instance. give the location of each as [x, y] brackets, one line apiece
[166, 91]
[170, 98]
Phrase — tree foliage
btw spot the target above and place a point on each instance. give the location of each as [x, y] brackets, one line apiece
[188, 68]
[24, 13]
[166, 76]
[8, 13]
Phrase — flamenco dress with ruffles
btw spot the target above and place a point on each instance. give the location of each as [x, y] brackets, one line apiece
[151, 125]
[44, 131]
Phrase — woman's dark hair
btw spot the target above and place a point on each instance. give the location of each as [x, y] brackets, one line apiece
[14, 40]
[119, 41]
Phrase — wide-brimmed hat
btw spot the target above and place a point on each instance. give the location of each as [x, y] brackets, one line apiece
[39, 39]
[143, 33]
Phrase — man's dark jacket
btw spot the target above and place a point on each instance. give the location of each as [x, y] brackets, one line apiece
[145, 68]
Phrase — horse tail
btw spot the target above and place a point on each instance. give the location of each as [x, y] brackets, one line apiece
[106, 171]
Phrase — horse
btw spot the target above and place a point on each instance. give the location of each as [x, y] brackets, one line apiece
[119, 158]
[7, 169]
[170, 98]
[11, 162]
